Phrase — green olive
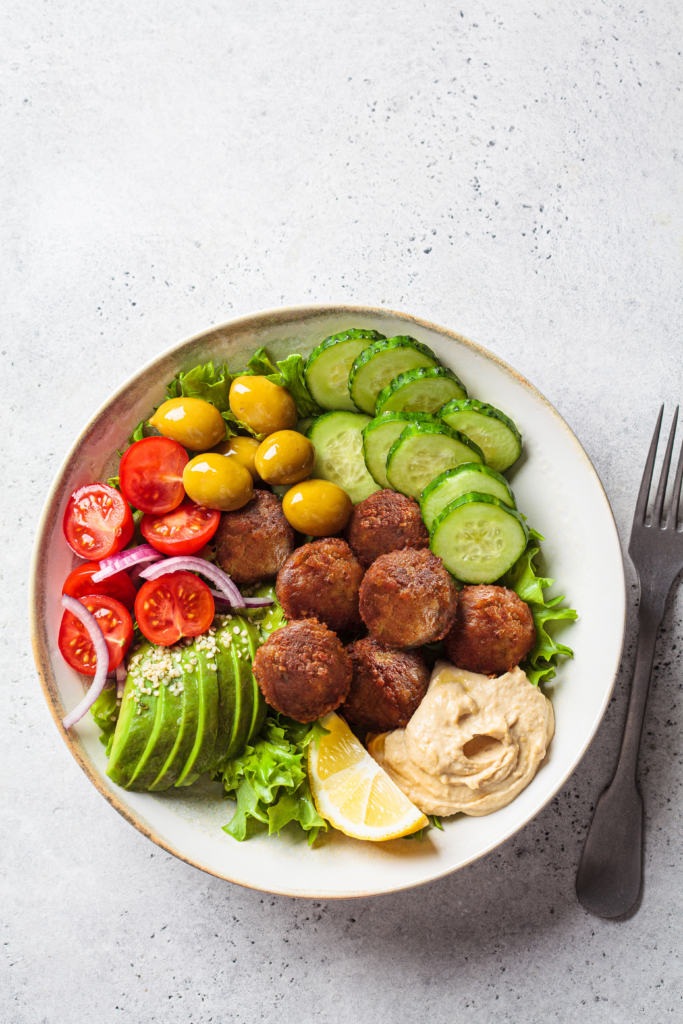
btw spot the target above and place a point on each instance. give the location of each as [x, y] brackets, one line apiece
[264, 407]
[196, 424]
[317, 507]
[285, 457]
[216, 481]
[242, 450]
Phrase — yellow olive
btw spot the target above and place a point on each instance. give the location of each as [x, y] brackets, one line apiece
[196, 424]
[286, 457]
[265, 407]
[215, 481]
[242, 450]
[317, 507]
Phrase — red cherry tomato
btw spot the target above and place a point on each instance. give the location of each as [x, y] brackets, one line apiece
[183, 531]
[175, 605]
[115, 622]
[97, 521]
[119, 586]
[151, 474]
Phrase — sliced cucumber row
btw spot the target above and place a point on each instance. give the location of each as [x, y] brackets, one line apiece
[338, 441]
[478, 537]
[328, 367]
[422, 451]
[424, 389]
[377, 365]
[491, 429]
[380, 434]
[470, 476]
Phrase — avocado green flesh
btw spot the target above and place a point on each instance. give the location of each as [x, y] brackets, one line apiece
[207, 721]
[244, 686]
[133, 730]
[185, 726]
[159, 744]
[197, 719]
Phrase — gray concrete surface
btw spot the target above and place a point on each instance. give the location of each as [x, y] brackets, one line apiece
[510, 170]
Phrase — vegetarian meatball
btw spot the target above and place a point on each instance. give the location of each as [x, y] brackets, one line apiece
[407, 598]
[253, 543]
[386, 688]
[493, 630]
[303, 670]
[386, 521]
[321, 580]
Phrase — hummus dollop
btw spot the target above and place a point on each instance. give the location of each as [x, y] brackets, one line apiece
[473, 744]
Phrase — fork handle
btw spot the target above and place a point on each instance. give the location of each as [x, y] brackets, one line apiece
[650, 615]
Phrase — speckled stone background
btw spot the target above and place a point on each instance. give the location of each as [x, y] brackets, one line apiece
[510, 170]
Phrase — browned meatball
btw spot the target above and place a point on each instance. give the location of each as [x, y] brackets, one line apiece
[492, 632]
[303, 670]
[386, 688]
[253, 543]
[321, 580]
[407, 598]
[386, 521]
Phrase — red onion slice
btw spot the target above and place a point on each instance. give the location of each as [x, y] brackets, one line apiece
[125, 559]
[247, 602]
[101, 652]
[221, 579]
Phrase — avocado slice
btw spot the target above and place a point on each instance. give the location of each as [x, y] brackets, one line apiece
[227, 692]
[260, 707]
[207, 719]
[240, 650]
[185, 727]
[134, 726]
[169, 706]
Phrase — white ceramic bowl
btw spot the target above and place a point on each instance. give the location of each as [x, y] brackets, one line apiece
[555, 485]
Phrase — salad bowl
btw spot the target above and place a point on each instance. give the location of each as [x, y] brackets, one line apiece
[555, 485]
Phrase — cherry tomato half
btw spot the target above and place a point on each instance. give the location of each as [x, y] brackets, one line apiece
[151, 474]
[97, 521]
[115, 622]
[175, 605]
[183, 531]
[119, 586]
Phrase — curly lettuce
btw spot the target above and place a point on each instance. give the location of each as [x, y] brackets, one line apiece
[541, 661]
[105, 711]
[212, 383]
[269, 781]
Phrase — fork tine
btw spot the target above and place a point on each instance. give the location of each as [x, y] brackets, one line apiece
[675, 497]
[664, 475]
[644, 492]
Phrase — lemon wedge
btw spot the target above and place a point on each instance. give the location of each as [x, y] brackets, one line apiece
[353, 792]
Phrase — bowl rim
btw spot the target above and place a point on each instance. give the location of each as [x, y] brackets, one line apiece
[283, 314]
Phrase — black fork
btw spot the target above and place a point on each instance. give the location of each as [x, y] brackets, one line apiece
[610, 874]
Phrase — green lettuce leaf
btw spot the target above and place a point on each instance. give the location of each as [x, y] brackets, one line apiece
[212, 383]
[289, 373]
[269, 781]
[421, 834]
[261, 364]
[291, 376]
[105, 711]
[540, 663]
[272, 616]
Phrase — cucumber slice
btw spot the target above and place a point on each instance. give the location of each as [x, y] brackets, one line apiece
[491, 429]
[424, 450]
[380, 434]
[328, 366]
[338, 441]
[478, 537]
[424, 389]
[378, 364]
[471, 476]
